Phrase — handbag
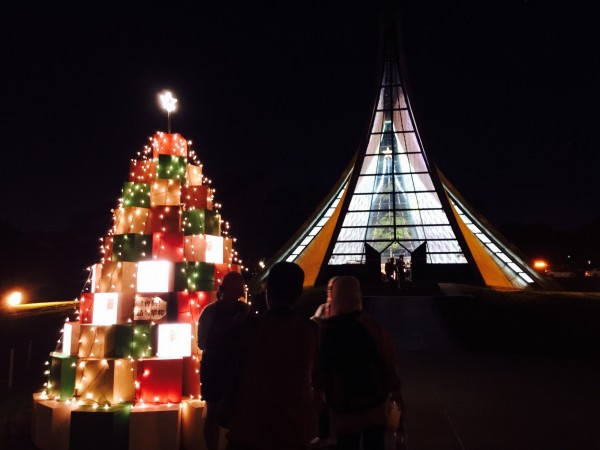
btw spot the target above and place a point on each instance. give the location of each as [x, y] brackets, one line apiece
[395, 435]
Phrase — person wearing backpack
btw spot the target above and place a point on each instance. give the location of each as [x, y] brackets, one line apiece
[356, 370]
[220, 334]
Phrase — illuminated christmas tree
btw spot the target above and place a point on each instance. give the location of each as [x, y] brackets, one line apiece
[126, 373]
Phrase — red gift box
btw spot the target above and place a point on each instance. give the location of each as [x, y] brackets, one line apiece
[86, 307]
[191, 304]
[168, 246]
[169, 144]
[158, 380]
[166, 219]
[200, 197]
[142, 171]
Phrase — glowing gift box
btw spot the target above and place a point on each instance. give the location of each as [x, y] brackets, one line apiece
[155, 427]
[150, 308]
[166, 219]
[106, 308]
[136, 194]
[132, 219]
[110, 308]
[155, 276]
[197, 196]
[61, 379]
[169, 144]
[191, 376]
[194, 276]
[192, 424]
[117, 276]
[174, 340]
[131, 247]
[99, 428]
[70, 338]
[167, 246]
[165, 193]
[204, 248]
[96, 341]
[105, 381]
[159, 380]
[191, 304]
[194, 175]
[214, 249]
[50, 424]
[142, 171]
[171, 167]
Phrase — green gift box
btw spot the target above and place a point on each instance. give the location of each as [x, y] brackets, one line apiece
[143, 344]
[212, 223]
[61, 381]
[132, 247]
[201, 221]
[194, 221]
[135, 340]
[194, 276]
[136, 194]
[171, 167]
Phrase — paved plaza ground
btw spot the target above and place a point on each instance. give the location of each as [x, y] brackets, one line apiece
[481, 370]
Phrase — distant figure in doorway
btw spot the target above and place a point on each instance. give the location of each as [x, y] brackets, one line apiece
[390, 272]
[274, 409]
[220, 328]
[356, 370]
[400, 272]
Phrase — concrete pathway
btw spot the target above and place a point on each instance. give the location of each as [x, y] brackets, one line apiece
[457, 400]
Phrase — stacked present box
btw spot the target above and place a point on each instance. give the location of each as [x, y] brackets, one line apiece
[131, 359]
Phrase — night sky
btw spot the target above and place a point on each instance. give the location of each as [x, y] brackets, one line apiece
[277, 98]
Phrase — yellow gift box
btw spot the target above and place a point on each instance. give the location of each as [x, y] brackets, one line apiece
[105, 381]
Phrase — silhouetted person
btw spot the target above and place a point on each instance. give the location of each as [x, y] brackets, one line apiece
[400, 272]
[323, 437]
[219, 338]
[356, 370]
[274, 408]
[390, 272]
